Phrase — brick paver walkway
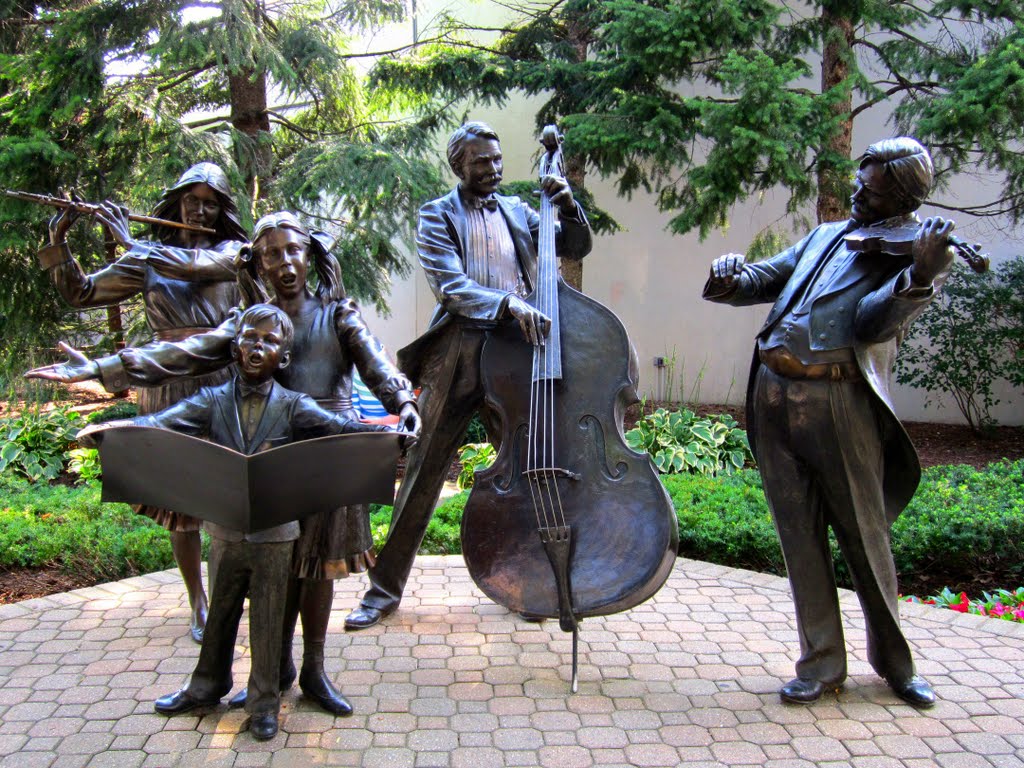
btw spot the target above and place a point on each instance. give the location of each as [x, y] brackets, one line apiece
[689, 678]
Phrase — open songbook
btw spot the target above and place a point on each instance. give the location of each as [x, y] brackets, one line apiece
[161, 468]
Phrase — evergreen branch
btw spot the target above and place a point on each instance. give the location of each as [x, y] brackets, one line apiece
[877, 50]
[542, 9]
[184, 77]
[956, 148]
[904, 86]
[205, 121]
[321, 216]
[277, 117]
[984, 210]
[930, 47]
[393, 51]
[30, 22]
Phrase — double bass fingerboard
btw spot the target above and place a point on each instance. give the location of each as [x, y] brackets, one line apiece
[547, 358]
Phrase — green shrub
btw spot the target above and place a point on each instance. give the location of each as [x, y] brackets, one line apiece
[380, 522]
[443, 536]
[123, 409]
[474, 457]
[44, 525]
[969, 338]
[475, 432]
[725, 520]
[33, 443]
[964, 523]
[680, 441]
[964, 526]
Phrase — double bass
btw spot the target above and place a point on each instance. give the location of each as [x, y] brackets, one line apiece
[568, 521]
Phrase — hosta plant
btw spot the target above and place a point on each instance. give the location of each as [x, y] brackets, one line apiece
[474, 457]
[33, 443]
[680, 441]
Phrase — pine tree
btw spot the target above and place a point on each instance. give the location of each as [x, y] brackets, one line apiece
[706, 104]
[115, 98]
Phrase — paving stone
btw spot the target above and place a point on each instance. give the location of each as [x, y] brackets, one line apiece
[119, 759]
[819, 748]
[28, 760]
[564, 757]
[172, 742]
[652, 755]
[738, 753]
[72, 761]
[985, 743]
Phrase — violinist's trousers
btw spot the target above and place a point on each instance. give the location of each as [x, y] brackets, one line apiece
[820, 454]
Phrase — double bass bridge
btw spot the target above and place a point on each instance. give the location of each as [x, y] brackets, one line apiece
[543, 474]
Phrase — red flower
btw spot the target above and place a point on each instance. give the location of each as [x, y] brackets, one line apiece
[962, 606]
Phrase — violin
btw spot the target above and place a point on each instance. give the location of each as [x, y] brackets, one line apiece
[569, 521]
[898, 240]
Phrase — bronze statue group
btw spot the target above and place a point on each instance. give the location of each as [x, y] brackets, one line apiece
[829, 447]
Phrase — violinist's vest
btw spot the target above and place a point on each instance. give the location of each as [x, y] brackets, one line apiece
[818, 326]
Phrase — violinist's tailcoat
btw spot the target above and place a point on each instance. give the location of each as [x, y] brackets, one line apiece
[832, 452]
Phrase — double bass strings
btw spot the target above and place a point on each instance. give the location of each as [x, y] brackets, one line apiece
[544, 489]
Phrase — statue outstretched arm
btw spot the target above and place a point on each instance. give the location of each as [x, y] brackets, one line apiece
[149, 365]
[76, 368]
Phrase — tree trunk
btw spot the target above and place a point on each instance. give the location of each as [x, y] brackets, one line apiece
[578, 34]
[575, 174]
[248, 92]
[833, 182]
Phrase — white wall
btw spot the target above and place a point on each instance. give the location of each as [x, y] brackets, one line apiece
[652, 280]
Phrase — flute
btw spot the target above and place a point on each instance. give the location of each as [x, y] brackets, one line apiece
[91, 209]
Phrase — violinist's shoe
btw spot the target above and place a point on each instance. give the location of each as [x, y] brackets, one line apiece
[804, 690]
[181, 701]
[366, 616]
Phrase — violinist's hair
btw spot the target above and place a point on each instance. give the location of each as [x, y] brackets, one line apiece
[259, 312]
[457, 142]
[907, 163]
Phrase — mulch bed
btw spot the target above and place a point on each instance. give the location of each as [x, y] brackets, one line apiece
[25, 583]
[936, 444]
